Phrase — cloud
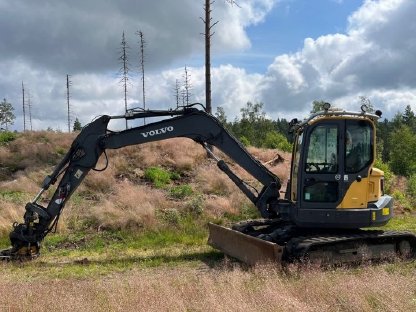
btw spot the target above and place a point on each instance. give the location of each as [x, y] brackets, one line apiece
[374, 58]
[83, 36]
[44, 40]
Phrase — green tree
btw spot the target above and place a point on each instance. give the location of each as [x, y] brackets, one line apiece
[317, 106]
[6, 114]
[220, 114]
[253, 124]
[402, 152]
[409, 118]
[77, 125]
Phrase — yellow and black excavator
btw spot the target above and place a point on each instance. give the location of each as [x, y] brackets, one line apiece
[334, 189]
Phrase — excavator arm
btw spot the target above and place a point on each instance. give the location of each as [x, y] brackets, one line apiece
[96, 138]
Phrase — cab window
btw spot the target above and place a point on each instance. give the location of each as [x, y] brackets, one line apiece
[323, 150]
[358, 145]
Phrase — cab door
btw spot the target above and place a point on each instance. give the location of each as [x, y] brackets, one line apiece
[321, 173]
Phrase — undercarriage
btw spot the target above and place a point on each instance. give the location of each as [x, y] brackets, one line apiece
[263, 240]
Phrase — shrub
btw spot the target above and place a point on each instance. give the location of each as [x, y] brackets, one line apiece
[402, 200]
[388, 174]
[6, 137]
[181, 191]
[196, 205]
[158, 176]
[276, 140]
[411, 188]
[170, 216]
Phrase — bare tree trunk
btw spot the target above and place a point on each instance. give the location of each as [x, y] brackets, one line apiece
[29, 106]
[187, 87]
[142, 43]
[68, 83]
[208, 56]
[124, 70]
[24, 108]
[177, 88]
[208, 27]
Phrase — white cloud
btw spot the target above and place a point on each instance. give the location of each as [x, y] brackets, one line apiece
[42, 41]
[374, 58]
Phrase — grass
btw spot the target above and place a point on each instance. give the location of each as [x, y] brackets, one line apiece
[88, 254]
[123, 243]
[181, 191]
[159, 176]
[17, 197]
[402, 223]
[120, 284]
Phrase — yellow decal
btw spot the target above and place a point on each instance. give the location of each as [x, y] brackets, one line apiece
[374, 216]
[385, 211]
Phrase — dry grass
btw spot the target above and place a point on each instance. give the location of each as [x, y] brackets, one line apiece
[120, 197]
[128, 207]
[185, 288]
[179, 153]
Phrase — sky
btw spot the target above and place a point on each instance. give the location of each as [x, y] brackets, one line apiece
[282, 53]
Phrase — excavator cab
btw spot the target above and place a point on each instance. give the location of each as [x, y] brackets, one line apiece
[333, 180]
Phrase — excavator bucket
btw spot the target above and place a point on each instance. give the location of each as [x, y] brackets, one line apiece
[248, 249]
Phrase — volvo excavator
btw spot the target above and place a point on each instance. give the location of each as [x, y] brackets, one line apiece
[334, 192]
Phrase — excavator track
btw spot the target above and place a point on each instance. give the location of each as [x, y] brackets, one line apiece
[284, 243]
[351, 248]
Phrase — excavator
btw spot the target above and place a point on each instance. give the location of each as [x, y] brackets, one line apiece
[334, 193]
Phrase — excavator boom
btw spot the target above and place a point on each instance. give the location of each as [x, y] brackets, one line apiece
[95, 139]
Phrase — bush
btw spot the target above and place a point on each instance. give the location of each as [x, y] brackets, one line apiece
[158, 176]
[388, 174]
[181, 191]
[276, 140]
[411, 188]
[196, 205]
[170, 216]
[7, 136]
[402, 200]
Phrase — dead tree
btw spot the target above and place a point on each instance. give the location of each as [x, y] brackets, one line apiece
[207, 20]
[177, 91]
[186, 92]
[29, 106]
[142, 44]
[68, 84]
[24, 107]
[124, 69]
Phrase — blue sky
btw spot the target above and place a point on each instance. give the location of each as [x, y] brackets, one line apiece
[286, 27]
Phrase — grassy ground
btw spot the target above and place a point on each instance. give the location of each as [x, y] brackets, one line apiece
[173, 269]
[134, 237]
